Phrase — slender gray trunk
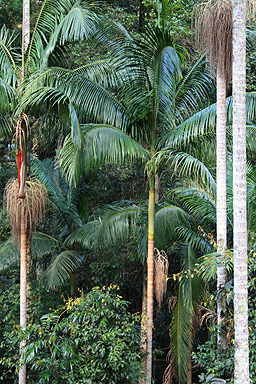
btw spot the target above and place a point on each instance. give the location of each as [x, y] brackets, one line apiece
[241, 374]
[221, 206]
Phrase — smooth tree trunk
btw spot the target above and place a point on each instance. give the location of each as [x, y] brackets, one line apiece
[241, 374]
[144, 323]
[150, 278]
[221, 205]
[23, 286]
[23, 232]
[25, 32]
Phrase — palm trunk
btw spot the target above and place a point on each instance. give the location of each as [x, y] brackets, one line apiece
[144, 322]
[25, 32]
[150, 279]
[23, 232]
[221, 206]
[241, 374]
[23, 286]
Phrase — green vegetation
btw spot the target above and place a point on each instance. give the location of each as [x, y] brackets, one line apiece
[112, 110]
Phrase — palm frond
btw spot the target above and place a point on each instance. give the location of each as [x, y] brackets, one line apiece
[5, 127]
[181, 336]
[8, 57]
[86, 93]
[50, 175]
[43, 244]
[61, 266]
[167, 220]
[65, 20]
[9, 254]
[113, 225]
[193, 91]
[102, 144]
[182, 324]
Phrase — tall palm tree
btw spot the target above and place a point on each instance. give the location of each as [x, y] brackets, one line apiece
[239, 186]
[214, 25]
[45, 39]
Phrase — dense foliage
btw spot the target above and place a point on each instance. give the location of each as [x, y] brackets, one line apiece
[118, 103]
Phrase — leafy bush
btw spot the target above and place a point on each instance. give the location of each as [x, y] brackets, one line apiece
[93, 340]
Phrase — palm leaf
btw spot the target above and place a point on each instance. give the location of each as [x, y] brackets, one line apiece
[61, 266]
[43, 244]
[113, 225]
[167, 220]
[86, 93]
[102, 144]
[9, 254]
[8, 57]
[65, 20]
[50, 175]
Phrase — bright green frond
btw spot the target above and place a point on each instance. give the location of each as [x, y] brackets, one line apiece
[167, 220]
[8, 57]
[102, 144]
[50, 175]
[68, 20]
[111, 226]
[181, 336]
[60, 268]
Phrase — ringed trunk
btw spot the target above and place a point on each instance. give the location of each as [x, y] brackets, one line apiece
[23, 287]
[241, 374]
[221, 206]
[150, 277]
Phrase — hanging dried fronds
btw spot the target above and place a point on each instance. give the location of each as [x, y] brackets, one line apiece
[214, 28]
[161, 273]
[32, 208]
[203, 315]
[172, 302]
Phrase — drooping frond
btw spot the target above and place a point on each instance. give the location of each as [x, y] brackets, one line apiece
[214, 28]
[167, 220]
[43, 244]
[51, 176]
[86, 92]
[8, 56]
[193, 90]
[111, 226]
[61, 266]
[183, 320]
[102, 144]
[9, 254]
[65, 20]
[186, 165]
[181, 336]
[5, 127]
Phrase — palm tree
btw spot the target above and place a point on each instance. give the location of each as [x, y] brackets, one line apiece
[214, 23]
[46, 37]
[239, 185]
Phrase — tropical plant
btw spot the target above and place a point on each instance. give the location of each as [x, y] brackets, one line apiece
[35, 52]
[90, 339]
[241, 373]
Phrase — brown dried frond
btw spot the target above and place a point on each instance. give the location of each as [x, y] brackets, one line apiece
[204, 315]
[32, 208]
[172, 302]
[168, 373]
[161, 273]
[214, 28]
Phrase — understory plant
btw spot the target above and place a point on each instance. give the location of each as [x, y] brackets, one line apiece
[92, 339]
